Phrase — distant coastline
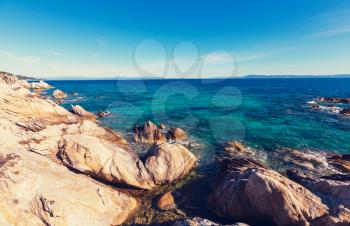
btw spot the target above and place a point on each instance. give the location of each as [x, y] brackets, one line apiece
[173, 78]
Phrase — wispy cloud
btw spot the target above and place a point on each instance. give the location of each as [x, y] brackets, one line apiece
[20, 58]
[330, 24]
[102, 41]
[53, 52]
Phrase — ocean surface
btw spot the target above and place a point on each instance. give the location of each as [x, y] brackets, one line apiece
[266, 114]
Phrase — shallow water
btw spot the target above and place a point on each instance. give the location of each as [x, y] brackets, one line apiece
[264, 113]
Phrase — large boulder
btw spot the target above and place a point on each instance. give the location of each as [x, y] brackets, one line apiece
[59, 94]
[167, 163]
[104, 160]
[37, 191]
[249, 191]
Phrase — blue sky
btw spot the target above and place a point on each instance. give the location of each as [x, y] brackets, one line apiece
[174, 38]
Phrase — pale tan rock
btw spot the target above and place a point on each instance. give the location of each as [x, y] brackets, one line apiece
[104, 160]
[177, 134]
[59, 94]
[38, 85]
[166, 202]
[149, 133]
[259, 193]
[79, 110]
[36, 191]
[168, 163]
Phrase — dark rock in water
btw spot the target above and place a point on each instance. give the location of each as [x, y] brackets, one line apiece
[166, 202]
[150, 133]
[345, 111]
[247, 190]
[236, 148]
[102, 114]
[334, 100]
[59, 101]
[197, 221]
[340, 162]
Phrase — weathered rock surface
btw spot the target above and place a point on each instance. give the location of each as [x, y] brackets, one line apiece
[47, 138]
[104, 160]
[38, 85]
[36, 191]
[167, 163]
[79, 110]
[235, 148]
[59, 94]
[104, 113]
[248, 191]
[150, 133]
[166, 202]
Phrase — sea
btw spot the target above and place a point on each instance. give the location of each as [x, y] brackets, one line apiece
[265, 114]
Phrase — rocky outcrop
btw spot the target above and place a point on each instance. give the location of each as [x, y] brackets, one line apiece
[250, 191]
[37, 191]
[59, 94]
[38, 85]
[150, 133]
[340, 162]
[104, 160]
[334, 100]
[79, 110]
[167, 163]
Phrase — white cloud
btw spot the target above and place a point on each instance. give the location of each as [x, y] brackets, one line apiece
[329, 32]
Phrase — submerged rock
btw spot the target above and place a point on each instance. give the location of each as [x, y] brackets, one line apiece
[59, 94]
[104, 113]
[249, 191]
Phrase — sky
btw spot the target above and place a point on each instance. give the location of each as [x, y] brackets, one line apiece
[184, 38]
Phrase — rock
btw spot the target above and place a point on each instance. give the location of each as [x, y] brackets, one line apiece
[59, 94]
[39, 85]
[247, 191]
[166, 202]
[167, 163]
[177, 134]
[236, 148]
[104, 160]
[335, 191]
[307, 160]
[334, 100]
[339, 217]
[37, 191]
[340, 162]
[33, 126]
[162, 126]
[345, 111]
[150, 133]
[79, 110]
[197, 221]
[104, 113]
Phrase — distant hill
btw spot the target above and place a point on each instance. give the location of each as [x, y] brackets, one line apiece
[295, 76]
[18, 76]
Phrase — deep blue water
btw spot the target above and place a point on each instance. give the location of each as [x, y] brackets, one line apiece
[265, 113]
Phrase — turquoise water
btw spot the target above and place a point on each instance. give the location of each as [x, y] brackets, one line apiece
[265, 113]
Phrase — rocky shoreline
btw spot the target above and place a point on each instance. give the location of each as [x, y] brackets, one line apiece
[60, 167]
